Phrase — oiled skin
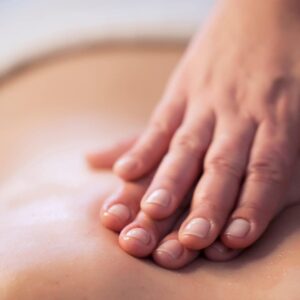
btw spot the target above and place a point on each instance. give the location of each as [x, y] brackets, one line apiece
[52, 245]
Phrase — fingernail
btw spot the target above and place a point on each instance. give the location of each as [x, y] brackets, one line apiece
[199, 227]
[172, 248]
[238, 228]
[160, 197]
[121, 211]
[139, 234]
[126, 164]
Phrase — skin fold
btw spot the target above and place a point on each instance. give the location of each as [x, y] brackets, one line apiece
[227, 127]
[52, 244]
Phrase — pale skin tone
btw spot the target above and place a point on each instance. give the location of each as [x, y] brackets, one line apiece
[165, 246]
[226, 128]
[164, 233]
[52, 245]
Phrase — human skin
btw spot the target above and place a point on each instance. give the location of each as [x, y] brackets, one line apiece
[228, 124]
[52, 244]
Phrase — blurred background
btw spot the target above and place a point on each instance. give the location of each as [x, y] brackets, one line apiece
[33, 28]
[51, 115]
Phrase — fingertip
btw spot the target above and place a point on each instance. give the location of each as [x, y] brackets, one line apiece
[115, 217]
[236, 243]
[136, 240]
[238, 233]
[220, 253]
[127, 168]
[91, 159]
[247, 225]
[171, 254]
[158, 204]
[99, 160]
[197, 232]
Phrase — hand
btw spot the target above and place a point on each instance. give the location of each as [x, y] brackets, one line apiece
[164, 246]
[228, 123]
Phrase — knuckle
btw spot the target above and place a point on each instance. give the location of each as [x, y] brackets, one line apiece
[202, 197]
[268, 168]
[161, 128]
[207, 200]
[271, 166]
[187, 143]
[221, 164]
